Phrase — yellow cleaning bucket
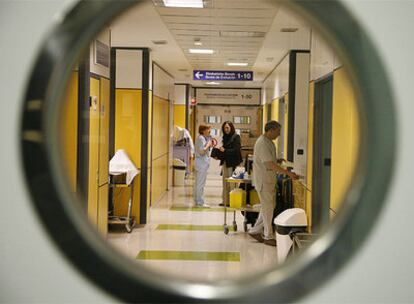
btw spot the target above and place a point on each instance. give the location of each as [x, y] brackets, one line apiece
[237, 198]
[254, 197]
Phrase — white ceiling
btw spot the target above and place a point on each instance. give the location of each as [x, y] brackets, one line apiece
[237, 30]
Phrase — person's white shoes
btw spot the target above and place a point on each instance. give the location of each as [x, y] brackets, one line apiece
[206, 206]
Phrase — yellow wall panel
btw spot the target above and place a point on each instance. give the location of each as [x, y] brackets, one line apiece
[160, 130]
[69, 130]
[274, 115]
[104, 133]
[128, 123]
[263, 119]
[103, 209]
[159, 177]
[275, 109]
[309, 161]
[128, 120]
[345, 136]
[160, 147]
[179, 116]
[299, 195]
[149, 150]
[93, 151]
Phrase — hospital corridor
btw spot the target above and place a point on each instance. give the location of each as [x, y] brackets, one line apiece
[138, 106]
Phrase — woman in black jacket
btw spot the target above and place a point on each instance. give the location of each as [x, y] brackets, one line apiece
[232, 156]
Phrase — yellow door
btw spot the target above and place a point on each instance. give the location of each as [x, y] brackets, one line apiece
[104, 133]
[69, 130]
[93, 151]
[103, 209]
[103, 157]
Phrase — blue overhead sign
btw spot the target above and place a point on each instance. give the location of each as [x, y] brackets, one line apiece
[223, 75]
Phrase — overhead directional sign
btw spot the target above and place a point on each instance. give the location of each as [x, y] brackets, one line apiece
[223, 75]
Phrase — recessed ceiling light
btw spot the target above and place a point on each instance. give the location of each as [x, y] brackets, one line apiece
[184, 3]
[159, 42]
[213, 83]
[237, 64]
[242, 34]
[288, 29]
[201, 51]
[198, 43]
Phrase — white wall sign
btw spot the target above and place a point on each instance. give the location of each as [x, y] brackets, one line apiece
[228, 96]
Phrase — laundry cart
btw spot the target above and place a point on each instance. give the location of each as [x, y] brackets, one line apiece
[179, 172]
[121, 175]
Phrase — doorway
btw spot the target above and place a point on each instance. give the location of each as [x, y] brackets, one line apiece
[322, 134]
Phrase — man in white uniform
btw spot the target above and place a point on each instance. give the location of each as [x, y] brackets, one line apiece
[265, 168]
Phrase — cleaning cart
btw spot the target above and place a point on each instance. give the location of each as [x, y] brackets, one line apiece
[238, 203]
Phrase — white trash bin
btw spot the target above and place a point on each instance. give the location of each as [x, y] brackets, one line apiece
[291, 220]
[179, 172]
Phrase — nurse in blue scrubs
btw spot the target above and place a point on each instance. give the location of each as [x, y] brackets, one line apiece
[203, 146]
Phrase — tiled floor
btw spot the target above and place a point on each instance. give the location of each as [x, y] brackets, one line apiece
[191, 244]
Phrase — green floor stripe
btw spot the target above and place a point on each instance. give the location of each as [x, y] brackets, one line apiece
[198, 209]
[206, 196]
[192, 227]
[189, 255]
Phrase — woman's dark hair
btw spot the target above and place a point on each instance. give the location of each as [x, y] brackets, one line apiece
[202, 128]
[232, 129]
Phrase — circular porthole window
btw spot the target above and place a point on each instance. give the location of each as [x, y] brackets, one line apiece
[63, 213]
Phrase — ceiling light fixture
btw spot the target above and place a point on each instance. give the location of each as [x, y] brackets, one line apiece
[201, 51]
[159, 42]
[237, 64]
[289, 29]
[213, 83]
[242, 34]
[184, 3]
[198, 43]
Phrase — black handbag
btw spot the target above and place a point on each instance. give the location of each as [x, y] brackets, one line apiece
[217, 154]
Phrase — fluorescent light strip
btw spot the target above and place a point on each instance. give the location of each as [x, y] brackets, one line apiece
[201, 51]
[184, 3]
[213, 83]
[237, 63]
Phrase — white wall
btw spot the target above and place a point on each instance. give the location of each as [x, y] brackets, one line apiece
[180, 94]
[163, 85]
[277, 83]
[324, 60]
[128, 74]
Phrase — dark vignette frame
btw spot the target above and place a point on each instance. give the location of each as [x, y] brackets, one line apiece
[89, 254]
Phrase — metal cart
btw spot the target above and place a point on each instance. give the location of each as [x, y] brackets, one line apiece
[129, 220]
[246, 209]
